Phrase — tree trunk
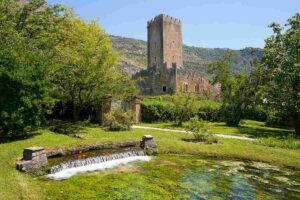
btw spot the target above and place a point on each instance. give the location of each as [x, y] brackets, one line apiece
[297, 125]
[99, 114]
[76, 112]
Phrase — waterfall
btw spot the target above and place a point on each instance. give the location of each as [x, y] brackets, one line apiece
[70, 168]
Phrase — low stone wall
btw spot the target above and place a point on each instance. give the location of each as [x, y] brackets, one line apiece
[36, 157]
[52, 152]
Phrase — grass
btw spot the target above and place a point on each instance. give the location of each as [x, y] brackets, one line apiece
[155, 182]
[248, 128]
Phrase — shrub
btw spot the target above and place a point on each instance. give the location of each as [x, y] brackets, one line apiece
[276, 119]
[255, 112]
[185, 106]
[231, 114]
[209, 110]
[119, 120]
[156, 109]
[201, 131]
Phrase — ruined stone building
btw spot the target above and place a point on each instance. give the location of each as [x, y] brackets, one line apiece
[165, 73]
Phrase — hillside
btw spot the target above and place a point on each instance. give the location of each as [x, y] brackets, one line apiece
[134, 55]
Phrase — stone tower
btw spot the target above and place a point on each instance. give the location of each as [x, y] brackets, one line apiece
[164, 42]
[164, 54]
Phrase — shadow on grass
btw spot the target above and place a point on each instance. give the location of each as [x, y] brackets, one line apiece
[67, 128]
[261, 131]
[23, 136]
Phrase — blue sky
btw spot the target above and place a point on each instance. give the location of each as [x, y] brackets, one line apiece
[206, 23]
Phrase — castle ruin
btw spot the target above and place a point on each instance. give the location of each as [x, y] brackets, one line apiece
[165, 73]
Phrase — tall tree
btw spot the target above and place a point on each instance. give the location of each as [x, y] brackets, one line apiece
[87, 73]
[235, 92]
[282, 62]
[28, 34]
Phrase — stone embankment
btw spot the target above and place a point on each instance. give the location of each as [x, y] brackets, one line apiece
[37, 157]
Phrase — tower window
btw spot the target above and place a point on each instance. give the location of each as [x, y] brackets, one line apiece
[197, 88]
[164, 88]
[173, 44]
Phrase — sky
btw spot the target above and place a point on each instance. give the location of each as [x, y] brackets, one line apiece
[234, 24]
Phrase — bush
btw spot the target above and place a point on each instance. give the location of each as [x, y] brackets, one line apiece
[201, 131]
[156, 109]
[231, 114]
[209, 110]
[276, 119]
[255, 112]
[119, 120]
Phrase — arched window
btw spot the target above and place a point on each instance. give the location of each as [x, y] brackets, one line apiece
[185, 88]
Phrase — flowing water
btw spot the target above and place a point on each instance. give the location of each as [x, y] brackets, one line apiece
[92, 162]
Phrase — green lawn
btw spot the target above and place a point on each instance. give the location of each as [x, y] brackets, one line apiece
[17, 185]
[248, 128]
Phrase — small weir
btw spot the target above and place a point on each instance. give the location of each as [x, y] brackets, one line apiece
[70, 168]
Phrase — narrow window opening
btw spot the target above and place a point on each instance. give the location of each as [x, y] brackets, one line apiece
[164, 88]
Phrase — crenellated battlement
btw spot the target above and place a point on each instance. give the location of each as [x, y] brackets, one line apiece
[165, 18]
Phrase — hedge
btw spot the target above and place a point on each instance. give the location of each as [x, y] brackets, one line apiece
[161, 108]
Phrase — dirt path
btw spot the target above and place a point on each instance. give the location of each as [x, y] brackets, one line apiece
[181, 131]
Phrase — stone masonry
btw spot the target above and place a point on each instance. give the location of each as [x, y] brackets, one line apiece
[148, 144]
[33, 158]
[37, 157]
[165, 73]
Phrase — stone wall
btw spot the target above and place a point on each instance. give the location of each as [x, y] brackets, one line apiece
[190, 81]
[172, 42]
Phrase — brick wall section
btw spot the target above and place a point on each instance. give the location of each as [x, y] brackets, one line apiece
[196, 83]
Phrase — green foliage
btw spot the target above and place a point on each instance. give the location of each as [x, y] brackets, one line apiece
[276, 119]
[119, 120]
[162, 108]
[281, 61]
[255, 112]
[87, 74]
[185, 107]
[201, 131]
[28, 34]
[287, 143]
[235, 92]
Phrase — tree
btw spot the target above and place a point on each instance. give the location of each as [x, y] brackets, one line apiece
[184, 106]
[28, 34]
[235, 92]
[282, 64]
[87, 73]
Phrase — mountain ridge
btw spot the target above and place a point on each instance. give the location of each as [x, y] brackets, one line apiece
[134, 55]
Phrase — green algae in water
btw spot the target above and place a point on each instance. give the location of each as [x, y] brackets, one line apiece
[179, 177]
[239, 180]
